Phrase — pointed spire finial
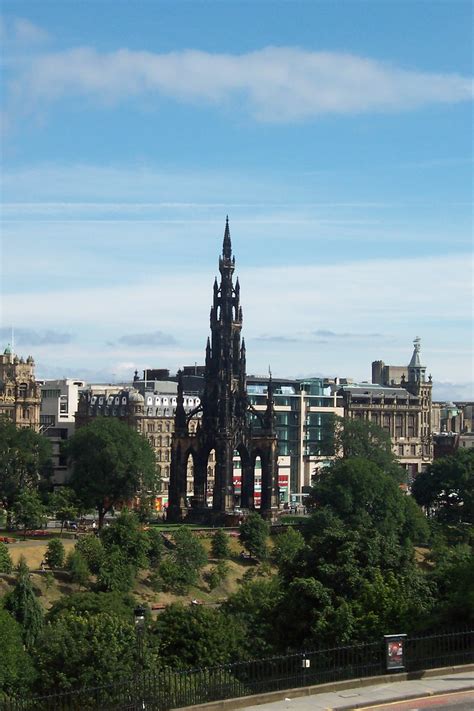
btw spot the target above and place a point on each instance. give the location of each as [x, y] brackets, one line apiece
[227, 246]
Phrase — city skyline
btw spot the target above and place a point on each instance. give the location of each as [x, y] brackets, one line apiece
[338, 142]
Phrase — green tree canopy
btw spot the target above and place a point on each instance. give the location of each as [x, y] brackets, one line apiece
[446, 488]
[126, 534]
[366, 440]
[112, 463]
[28, 511]
[122, 605]
[92, 550]
[80, 650]
[188, 637]
[16, 668]
[25, 459]
[24, 606]
[220, 547]
[360, 493]
[6, 565]
[63, 504]
[78, 568]
[254, 532]
[55, 553]
[117, 572]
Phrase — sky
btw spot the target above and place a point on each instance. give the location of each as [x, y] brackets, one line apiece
[337, 136]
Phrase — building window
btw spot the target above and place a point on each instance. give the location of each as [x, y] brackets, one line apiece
[400, 450]
[413, 450]
[26, 413]
[150, 428]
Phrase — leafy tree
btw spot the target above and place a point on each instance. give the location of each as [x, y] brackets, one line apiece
[254, 532]
[446, 488]
[171, 576]
[126, 534]
[16, 669]
[156, 547]
[25, 458]
[216, 575]
[254, 606]
[111, 464]
[454, 602]
[81, 650]
[362, 494]
[93, 603]
[55, 553]
[28, 511]
[366, 440]
[6, 565]
[189, 551]
[78, 568]
[196, 637]
[63, 504]
[117, 573]
[92, 550]
[287, 546]
[220, 547]
[24, 606]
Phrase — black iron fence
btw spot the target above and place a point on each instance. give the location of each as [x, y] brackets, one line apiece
[169, 689]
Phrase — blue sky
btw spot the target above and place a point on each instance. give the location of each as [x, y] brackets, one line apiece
[337, 136]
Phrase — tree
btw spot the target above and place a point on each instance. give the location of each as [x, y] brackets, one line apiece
[55, 553]
[366, 440]
[92, 550]
[216, 575]
[122, 605]
[156, 547]
[16, 669]
[78, 568]
[220, 544]
[24, 606]
[117, 573]
[254, 606]
[362, 494]
[189, 552]
[287, 546]
[111, 464]
[64, 505]
[85, 650]
[6, 565]
[25, 459]
[126, 534]
[188, 637]
[254, 532]
[28, 511]
[446, 488]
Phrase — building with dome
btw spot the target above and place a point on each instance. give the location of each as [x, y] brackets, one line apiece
[20, 394]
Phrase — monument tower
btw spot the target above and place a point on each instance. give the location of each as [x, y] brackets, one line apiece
[228, 424]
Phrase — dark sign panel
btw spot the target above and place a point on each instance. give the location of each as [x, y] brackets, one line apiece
[395, 650]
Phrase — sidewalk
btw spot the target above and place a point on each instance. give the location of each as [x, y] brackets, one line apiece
[376, 693]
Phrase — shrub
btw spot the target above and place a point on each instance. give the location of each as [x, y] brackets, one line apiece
[92, 550]
[55, 553]
[78, 568]
[6, 565]
[220, 544]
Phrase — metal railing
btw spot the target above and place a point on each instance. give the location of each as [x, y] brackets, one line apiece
[170, 689]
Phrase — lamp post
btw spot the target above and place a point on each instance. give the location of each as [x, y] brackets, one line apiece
[139, 614]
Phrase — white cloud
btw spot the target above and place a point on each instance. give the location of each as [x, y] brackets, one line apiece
[22, 32]
[29, 33]
[276, 84]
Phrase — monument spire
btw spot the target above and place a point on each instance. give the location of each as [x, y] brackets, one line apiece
[227, 245]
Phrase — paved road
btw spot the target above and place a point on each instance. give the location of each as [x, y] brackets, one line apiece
[384, 694]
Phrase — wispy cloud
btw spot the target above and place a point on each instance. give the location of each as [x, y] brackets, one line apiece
[274, 84]
[19, 30]
[345, 336]
[31, 337]
[155, 338]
